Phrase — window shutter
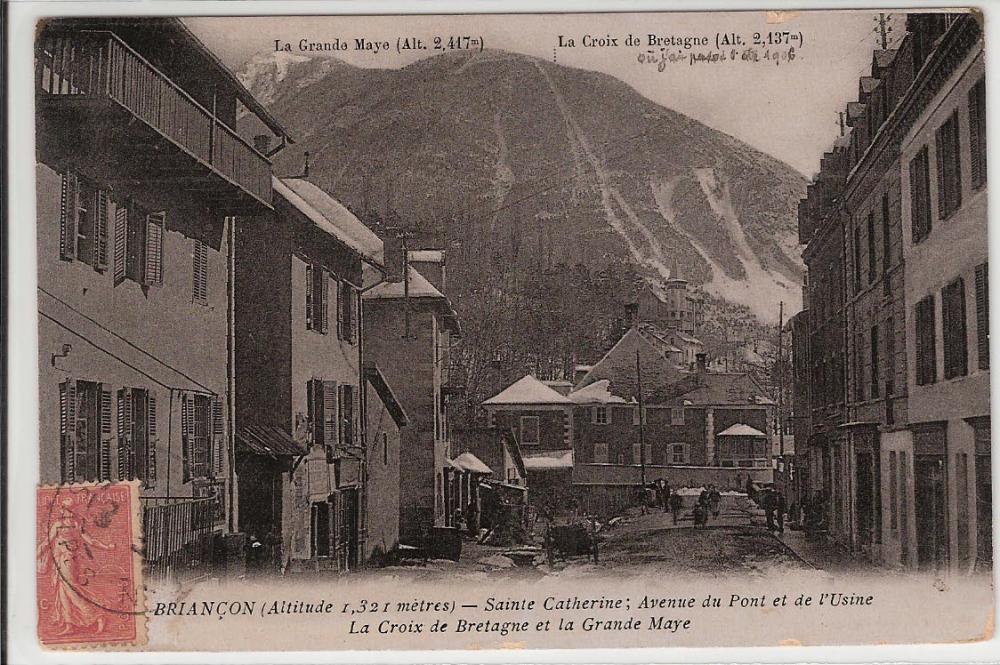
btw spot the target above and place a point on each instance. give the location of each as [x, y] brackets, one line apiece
[106, 432]
[310, 314]
[349, 312]
[200, 273]
[126, 462]
[151, 439]
[341, 331]
[187, 435]
[324, 299]
[330, 398]
[983, 315]
[68, 208]
[218, 438]
[974, 145]
[155, 222]
[121, 243]
[593, 415]
[101, 231]
[67, 429]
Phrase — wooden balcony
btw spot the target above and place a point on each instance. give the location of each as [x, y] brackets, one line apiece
[99, 99]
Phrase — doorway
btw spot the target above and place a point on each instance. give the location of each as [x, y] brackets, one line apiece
[930, 496]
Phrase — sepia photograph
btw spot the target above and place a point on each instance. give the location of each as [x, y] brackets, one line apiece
[510, 331]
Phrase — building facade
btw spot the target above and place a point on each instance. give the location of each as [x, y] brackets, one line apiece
[386, 419]
[946, 466]
[894, 226]
[299, 272]
[135, 220]
[408, 327]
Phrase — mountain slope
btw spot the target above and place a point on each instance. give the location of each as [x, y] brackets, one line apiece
[520, 165]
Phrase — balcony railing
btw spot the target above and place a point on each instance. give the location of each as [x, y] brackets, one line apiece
[178, 536]
[93, 64]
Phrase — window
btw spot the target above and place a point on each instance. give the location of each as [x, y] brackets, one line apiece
[322, 405]
[83, 222]
[637, 453]
[890, 356]
[529, 431]
[317, 292]
[859, 383]
[199, 273]
[871, 247]
[85, 431]
[886, 247]
[138, 252]
[857, 259]
[345, 312]
[202, 441]
[977, 132]
[874, 362]
[920, 196]
[953, 326]
[926, 342]
[677, 415]
[345, 397]
[983, 315]
[635, 415]
[678, 453]
[949, 170]
[137, 435]
[599, 415]
[600, 453]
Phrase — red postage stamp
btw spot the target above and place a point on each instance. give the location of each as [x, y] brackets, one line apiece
[89, 566]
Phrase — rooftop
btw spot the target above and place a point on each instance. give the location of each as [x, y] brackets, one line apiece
[739, 429]
[331, 216]
[528, 390]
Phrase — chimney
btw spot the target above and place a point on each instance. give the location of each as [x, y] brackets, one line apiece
[632, 314]
[262, 143]
[393, 257]
[701, 362]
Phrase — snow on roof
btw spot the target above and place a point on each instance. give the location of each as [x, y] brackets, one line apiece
[427, 256]
[469, 462]
[739, 429]
[548, 460]
[598, 391]
[330, 216]
[528, 390]
[419, 288]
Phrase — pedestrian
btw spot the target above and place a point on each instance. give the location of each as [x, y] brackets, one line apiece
[675, 505]
[767, 499]
[714, 500]
[750, 492]
[779, 507]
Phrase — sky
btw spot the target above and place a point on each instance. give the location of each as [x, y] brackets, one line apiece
[788, 110]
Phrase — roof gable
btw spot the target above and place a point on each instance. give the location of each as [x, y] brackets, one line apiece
[528, 390]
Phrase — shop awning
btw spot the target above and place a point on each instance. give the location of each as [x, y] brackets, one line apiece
[471, 463]
[549, 460]
[270, 441]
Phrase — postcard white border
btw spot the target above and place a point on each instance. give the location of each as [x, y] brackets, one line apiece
[22, 354]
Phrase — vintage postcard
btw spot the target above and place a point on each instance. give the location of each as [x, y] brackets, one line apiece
[511, 331]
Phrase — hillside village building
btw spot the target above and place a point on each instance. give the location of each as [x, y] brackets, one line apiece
[894, 225]
[136, 211]
[300, 390]
[584, 448]
[408, 327]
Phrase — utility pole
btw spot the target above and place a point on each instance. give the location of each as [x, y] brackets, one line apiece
[840, 122]
[781, 379]
[404, 234]
[642, 433]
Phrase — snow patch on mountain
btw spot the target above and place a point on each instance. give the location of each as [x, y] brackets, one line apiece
[762, 289]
